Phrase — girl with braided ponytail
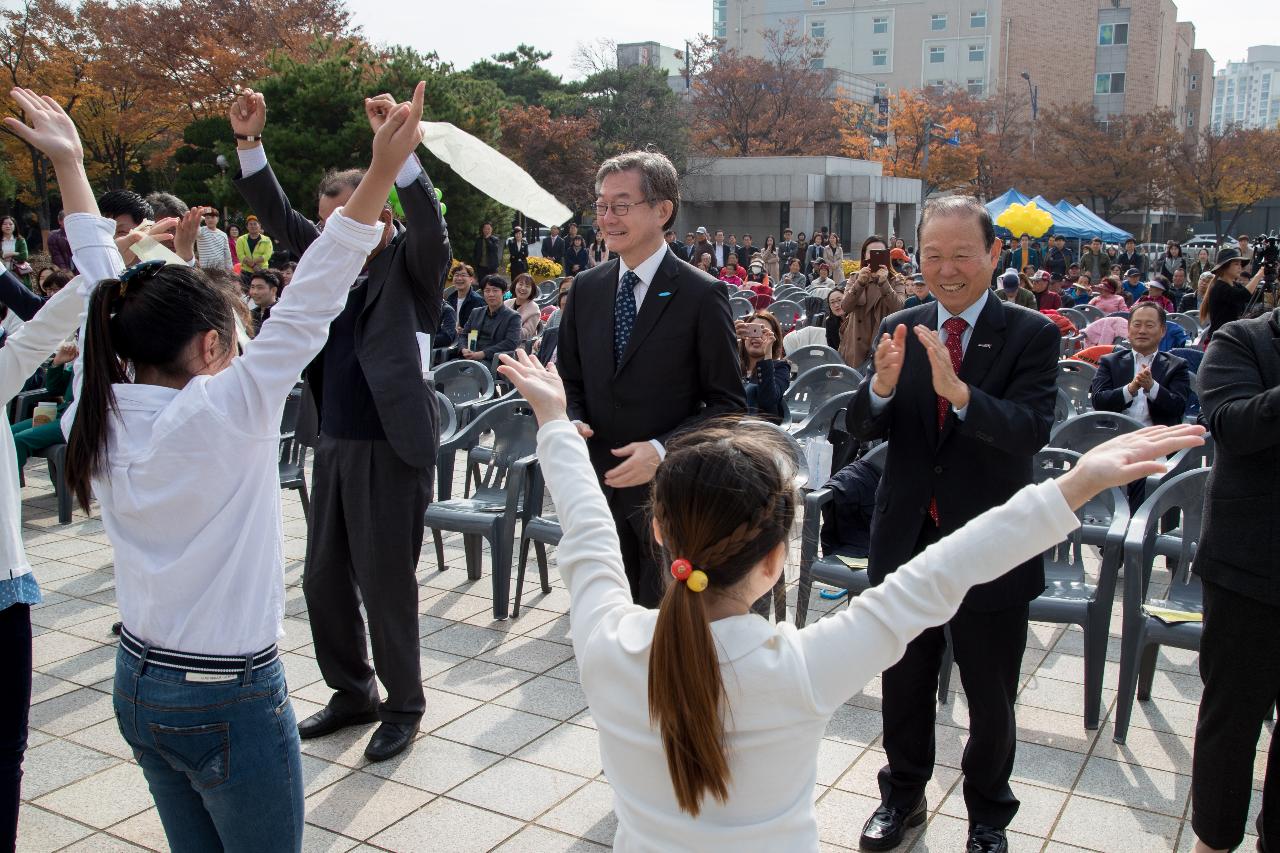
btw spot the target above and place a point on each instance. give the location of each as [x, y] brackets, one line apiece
[710, 716]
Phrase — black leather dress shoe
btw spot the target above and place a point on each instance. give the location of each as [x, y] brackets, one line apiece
[986, 839]
[326, 721]
[884, 829]
[390, 740]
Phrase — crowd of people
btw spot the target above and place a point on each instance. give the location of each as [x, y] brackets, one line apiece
[676, 517]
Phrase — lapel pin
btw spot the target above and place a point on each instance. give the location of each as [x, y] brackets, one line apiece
[985, 346]
[665, 293]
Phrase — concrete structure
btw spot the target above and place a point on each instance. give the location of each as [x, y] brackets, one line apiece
[1201, 86]
[1076, 51]
[1244, 93]
[762, 195]
[669, 59]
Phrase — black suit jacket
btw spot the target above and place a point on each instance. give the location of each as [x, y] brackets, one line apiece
[405, 285]
[553, 248]
[1239, 387]
[1011, 367]
[1116, 371]
[680, 365]
[517, 257]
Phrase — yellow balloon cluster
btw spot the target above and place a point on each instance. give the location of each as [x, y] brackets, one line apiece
[1025, 219]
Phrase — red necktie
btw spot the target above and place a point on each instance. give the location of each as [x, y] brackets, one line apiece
[955, 346]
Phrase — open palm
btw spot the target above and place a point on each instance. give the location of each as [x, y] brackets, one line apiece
[540, 386]
[47, 127]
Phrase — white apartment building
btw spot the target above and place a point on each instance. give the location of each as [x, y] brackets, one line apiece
[1248, 93]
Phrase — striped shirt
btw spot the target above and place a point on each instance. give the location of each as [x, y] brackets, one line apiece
[212, 249]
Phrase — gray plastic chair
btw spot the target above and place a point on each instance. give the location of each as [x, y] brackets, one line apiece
[1091, 312]
[446, 417]
[819, 420]
[790, 314]
[1077, 317]
[1189, 324]
[741, 307]
[1069, 596]
[293, 454]
[464, 381]
[807, 358]
[499, 499]
[1143, 635]
[1085, 432]
[818, 384]
[1076, 377]
[1064, 408]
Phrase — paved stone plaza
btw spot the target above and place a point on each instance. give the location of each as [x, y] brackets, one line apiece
[507, 757]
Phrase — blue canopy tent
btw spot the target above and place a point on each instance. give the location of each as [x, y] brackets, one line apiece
[1001, 203]
[1103, 228]
[1067, 224]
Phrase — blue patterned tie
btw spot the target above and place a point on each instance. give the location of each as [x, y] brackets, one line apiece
[624, 315]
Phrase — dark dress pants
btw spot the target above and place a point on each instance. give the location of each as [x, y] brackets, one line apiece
[639, 550]
[1240, 666]
[988, 648]
[367, 510]
[15, 702]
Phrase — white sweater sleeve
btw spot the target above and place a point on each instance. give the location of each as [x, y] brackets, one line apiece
[252, 391]
[843, 652]
[30, 345]
[588, 557]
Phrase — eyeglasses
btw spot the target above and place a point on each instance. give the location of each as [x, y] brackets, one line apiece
[619, 208]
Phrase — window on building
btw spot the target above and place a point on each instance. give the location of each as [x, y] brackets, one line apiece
[978, 20]
[977, 53]
[938, 22]
[879, 26]
[817, 64]
[937, 54]
[937, 85]
[1109, 84]
[879, 56]
[1109, 34]
[719, 18]
[1191, 119]
[976, 86]
[818, 29]
[1195, 81]
[819, 2]
[882, 90]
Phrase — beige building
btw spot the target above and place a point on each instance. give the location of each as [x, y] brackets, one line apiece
[1123, 56]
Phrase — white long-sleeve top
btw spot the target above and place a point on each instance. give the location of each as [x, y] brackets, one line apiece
[23, 352]
[191, 494]
[782, 685]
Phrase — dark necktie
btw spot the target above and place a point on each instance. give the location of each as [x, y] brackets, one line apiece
[624, 315]
[955, 347]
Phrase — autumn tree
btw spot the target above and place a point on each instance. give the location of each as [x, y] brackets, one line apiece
[1224, 172]
[557, 151]
[915, 120]
[1001, 134]
[1113, 167]
[519, 74]
[778, 104]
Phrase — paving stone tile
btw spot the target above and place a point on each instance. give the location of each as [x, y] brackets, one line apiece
[104, 737]
[447, 826]
[85, 800]
[517, 788]
[464, 640]
[1135, 786]
[528, 654]
[536, 839]
[41, 831]
[362, 805]
[946, 834]
[478, 679]
[547, 697]
[55, 646]
[86, 668]
[588, 813]
[102, 843]
[841, 815]
[572, 749]
[1046, 767]
[143, 829]
[434, 764]
[1039, 809]
[71, 712]
[496, 729]
[1108, 827]
[1158, 750]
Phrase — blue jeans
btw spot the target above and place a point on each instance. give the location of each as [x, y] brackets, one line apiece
[222, 759]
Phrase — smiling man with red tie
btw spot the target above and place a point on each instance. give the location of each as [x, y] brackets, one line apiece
[963, 388]
[647, 347]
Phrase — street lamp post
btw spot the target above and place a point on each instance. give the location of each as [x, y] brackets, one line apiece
[223, 164]
[1034, 91]
[929, 138]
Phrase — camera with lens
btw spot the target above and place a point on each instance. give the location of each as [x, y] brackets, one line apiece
[1266, 254]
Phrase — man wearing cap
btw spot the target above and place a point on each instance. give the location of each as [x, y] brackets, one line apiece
[1011, 290]
[919, 292]
[702, 246]
[899, 258]
[1133, 287]
[1227, 298]
[253, 248]
[1155, 294]
[1046, 299]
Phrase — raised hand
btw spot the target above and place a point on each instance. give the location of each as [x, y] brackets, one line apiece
[1124, 459]
[248, 115]
[889, 357]
[945, 382]
[184, 237]
[540, 386]
[377, 108]
[401, 130]
[48, 128]
[158, 231]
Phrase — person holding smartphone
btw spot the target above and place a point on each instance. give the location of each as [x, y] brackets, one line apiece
[869, 297]
[766, 375]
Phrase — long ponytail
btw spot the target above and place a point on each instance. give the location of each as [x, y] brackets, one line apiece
[146, 318]
[723, 500]
[100, 368]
